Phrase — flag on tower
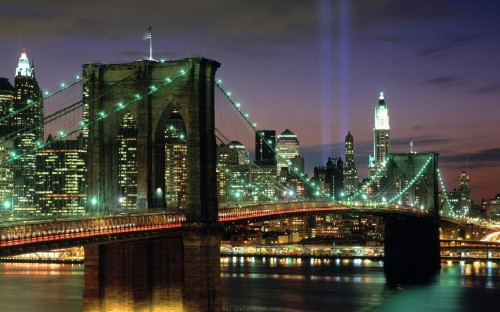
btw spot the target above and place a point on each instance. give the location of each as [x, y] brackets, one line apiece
[147, 34]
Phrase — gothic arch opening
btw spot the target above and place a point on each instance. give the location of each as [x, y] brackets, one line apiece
[126, 141]
[175, 149]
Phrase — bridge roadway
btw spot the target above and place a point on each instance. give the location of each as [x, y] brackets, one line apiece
[32, 236]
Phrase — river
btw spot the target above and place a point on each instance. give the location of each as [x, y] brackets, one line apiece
[270, 284]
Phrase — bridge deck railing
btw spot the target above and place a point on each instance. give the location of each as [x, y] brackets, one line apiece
[16, 233]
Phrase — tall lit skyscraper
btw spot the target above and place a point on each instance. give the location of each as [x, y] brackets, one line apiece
[287, 146]
[350, 171]
[28, 103]
[7, 92]
[381, 135]
[6, 146]
[465, 201]
[265, 162]
[460, 198]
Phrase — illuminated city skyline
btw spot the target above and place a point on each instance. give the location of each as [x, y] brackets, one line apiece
[317, 69]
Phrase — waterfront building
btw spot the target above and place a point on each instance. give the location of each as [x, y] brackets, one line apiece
[60, 177]
[287, 148]
[29, 122]
[350, 171]
[381, 136]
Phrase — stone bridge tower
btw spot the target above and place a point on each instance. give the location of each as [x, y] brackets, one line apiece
[179, 271]
[143, 88]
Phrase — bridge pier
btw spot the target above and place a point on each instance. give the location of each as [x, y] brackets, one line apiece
[169, 274]
[412, 250]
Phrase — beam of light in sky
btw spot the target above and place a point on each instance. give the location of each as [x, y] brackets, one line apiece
[325, 43]
[343, 114]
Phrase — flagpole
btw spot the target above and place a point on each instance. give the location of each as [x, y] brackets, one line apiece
[151, 47]
[148, 35]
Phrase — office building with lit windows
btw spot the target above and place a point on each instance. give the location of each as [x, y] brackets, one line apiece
[287, 147]
[233, 173]
[60, 177]
[381, 136]
[350, 171]
[460, 198]
[28, 121]
[7, 92]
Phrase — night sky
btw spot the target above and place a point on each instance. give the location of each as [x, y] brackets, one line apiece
[315, 67]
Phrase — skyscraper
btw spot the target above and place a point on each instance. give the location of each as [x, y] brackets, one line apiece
[287, 147]
[60, 183]
[265, 142]
[233, 173]
[28, 121]
[6, 176]
[7, 92]
[381, 136]
[243, 156]
[460, 198]
[331, 177]
[350, 171]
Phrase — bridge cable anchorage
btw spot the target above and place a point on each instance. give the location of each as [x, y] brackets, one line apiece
[221, 115]
[77, 127]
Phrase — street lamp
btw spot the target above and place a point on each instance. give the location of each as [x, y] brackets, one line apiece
[93, 202]
[7, 205]
[237, 195]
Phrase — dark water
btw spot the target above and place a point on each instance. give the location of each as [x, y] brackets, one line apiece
[257, 284]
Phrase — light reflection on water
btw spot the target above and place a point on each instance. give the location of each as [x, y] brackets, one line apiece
[288, 284]
[280, 284]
